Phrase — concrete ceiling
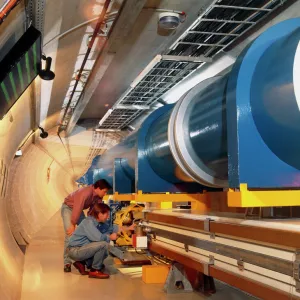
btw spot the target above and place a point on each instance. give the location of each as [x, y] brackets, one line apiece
[66, 52]
[144, 42]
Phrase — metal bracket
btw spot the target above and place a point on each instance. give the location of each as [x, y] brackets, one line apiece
[240, 264]
[296, 270]
[154, 235]
[177, 281]
[186, 248]
[207, 225]
[206, 266]
[35, 11]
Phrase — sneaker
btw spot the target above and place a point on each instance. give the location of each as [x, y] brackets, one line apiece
[67, 268]
[98, 274]
[80, 267]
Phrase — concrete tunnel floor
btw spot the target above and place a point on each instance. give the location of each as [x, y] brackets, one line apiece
[44, 279]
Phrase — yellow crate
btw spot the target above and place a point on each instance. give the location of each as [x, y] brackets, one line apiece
[155, 273]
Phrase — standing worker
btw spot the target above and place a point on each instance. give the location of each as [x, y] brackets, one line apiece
[72, 210]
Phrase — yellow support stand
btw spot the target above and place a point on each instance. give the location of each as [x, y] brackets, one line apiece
[166, 205]
[199, 201]
[202, 202]
[246, 198]
[161, 197]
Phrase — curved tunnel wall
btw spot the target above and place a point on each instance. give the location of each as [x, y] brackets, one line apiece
[28, 199]
[35, 196]
[13, 128]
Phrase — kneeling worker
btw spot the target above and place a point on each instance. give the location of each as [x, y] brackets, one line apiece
[89, 243]
[72, 210]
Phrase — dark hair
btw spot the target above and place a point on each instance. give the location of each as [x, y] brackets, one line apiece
[99, 208]
[102, 184]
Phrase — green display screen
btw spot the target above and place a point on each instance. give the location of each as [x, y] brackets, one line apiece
[19, 68]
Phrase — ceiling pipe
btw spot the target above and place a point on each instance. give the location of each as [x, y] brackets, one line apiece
[6, 9]
[90, 45]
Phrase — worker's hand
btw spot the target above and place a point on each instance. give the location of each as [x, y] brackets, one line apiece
[113, 236]
[70, 230]
[132, 227]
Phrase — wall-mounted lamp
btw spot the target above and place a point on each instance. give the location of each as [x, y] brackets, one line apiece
[46, 73]
[44, 133]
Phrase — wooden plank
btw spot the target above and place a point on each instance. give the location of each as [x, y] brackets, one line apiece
[189, 262]
[262, 234]
[255, 233]
[177, 221]
[252, 287]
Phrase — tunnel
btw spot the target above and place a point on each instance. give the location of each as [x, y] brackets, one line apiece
[223, 106]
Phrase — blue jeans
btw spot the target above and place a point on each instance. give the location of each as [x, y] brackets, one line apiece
[66, 213]
[94, 252]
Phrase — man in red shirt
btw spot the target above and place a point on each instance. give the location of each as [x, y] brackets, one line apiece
[72, 210]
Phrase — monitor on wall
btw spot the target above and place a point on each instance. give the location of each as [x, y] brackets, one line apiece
[19, 68]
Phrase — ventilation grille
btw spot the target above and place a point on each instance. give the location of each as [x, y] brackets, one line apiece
[220, 25]
[216, 28]
[156, 82]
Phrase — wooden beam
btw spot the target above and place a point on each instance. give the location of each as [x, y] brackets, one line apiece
[177, 221]
[186, 261]
[255, 233]
[254, 288]
[261, 234]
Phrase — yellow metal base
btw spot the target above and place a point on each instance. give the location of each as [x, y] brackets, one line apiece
[207, 200]
[199, 201]
[161, 197]
[246, 198]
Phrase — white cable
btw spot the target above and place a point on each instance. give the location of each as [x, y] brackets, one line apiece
[76, 27]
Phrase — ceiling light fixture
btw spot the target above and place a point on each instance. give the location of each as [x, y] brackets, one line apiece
[170, 19]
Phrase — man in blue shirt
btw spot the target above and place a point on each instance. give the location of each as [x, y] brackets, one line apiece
[72, 210]
[90, 240]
